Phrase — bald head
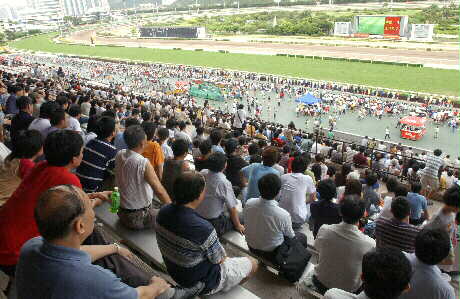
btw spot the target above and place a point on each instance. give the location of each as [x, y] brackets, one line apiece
[56, 210]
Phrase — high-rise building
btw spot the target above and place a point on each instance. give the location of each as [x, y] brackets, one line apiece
[78, 8]
[8, 12]
[32, 4]
[52, 10]
[75, 8]
[55, 10]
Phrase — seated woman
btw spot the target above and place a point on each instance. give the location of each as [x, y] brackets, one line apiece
[135, 178]
[26, 148]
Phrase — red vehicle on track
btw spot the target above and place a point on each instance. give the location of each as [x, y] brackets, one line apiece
[413, 127]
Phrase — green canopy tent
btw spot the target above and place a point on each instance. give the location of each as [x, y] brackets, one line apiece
[207, 91]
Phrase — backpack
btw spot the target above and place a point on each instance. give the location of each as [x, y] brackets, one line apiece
[292, 258]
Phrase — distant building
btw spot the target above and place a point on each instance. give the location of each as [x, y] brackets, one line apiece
[8, 12]
[32, 4]
[43, 10]
[78, 8]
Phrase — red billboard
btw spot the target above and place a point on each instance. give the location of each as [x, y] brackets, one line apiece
[392, 26]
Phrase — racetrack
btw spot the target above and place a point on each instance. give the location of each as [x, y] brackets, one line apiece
[441, 59]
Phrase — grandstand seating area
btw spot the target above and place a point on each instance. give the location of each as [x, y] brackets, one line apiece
[65, 146]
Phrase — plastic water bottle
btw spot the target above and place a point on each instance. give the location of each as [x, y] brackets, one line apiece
[115, 197]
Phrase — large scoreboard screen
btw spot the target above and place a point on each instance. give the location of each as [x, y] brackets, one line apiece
[381, 25]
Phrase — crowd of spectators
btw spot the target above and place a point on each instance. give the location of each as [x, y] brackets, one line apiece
[179, 171]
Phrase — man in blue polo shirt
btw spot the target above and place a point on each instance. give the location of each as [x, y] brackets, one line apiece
[56, 265]
[418, 205]
[255, 171]
[190, 246]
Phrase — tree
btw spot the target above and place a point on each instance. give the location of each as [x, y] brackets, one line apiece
[73, 20]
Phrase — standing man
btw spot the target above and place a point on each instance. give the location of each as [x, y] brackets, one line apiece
[387, 133]
[239, 118]
[429, 175]
[23, 118]
[436, 132]
[17, 91]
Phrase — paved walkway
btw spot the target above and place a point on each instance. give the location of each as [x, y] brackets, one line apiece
[448, 140]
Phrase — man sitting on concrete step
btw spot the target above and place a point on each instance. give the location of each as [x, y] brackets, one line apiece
[56, 265]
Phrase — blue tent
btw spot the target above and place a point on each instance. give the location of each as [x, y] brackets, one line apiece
[308, 99]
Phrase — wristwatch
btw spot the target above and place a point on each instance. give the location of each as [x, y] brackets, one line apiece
[117, 246]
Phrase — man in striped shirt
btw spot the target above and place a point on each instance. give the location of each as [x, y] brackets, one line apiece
[189, 244]
[430, 174]
[98, 156]
[396, 232]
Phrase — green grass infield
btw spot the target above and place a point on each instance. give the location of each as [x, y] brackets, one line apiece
[416, 79]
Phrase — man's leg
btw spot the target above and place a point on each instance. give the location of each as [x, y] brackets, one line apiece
[150, 217]
[120, 266]
[222, 224]
[235, 271]
[434, 187]
[425, 184]
[131, 220]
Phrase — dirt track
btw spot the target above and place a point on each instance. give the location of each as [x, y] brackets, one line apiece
[448, 59]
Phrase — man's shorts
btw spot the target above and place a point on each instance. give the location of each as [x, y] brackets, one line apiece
[232, 272]
[429, 182]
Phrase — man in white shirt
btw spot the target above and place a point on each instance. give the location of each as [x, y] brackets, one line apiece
[85, 106]
[316, 148]
[456, 163]
[382, 146]
[341, 248]
[163, 135]
[296, 190]
[42, 123]
[386, 275]
[267, 225]
[137, 182]
[182, 134]
[240, 118]
[73, 122]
